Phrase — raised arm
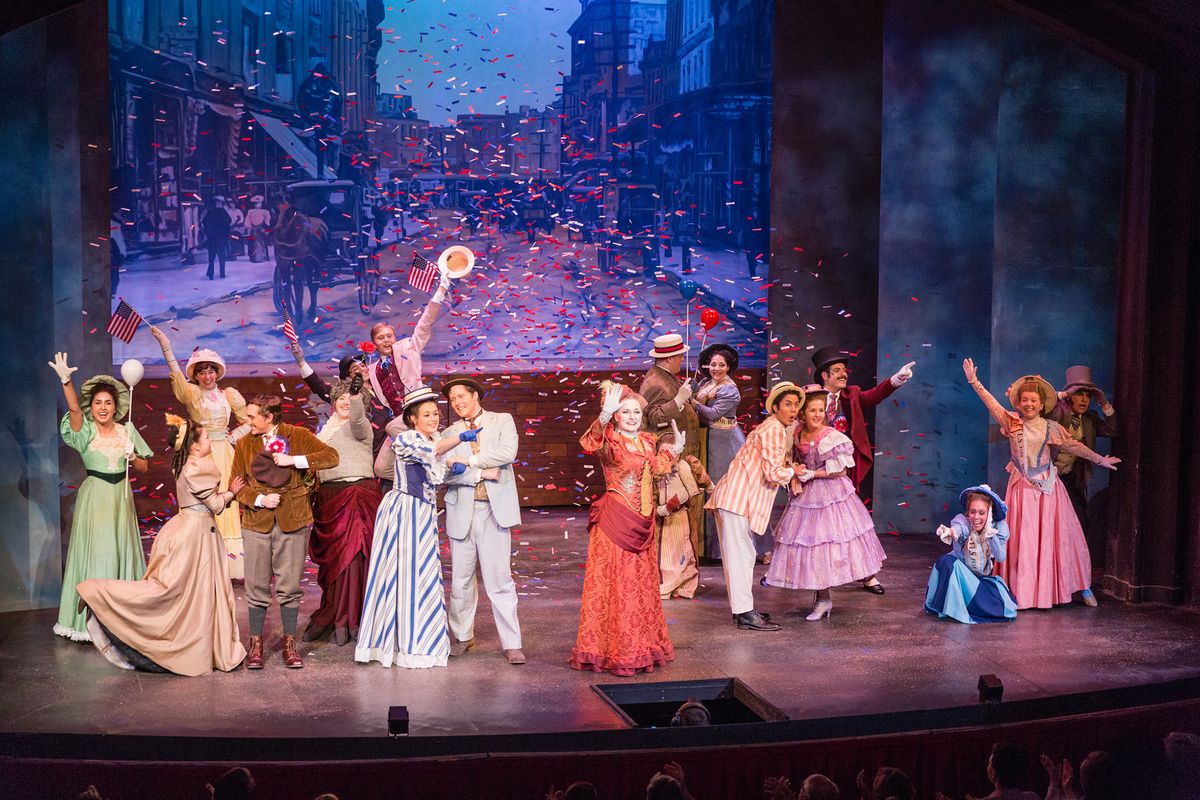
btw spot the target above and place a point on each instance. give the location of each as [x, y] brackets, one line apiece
[360, 426]
[998, 411]
[64, 372]
[424, 330]
[316, 384]
[184, 392]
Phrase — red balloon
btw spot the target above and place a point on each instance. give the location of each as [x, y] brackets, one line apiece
[709, 318]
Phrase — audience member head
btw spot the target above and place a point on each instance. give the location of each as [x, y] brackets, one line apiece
[1008, 766]
[580, 790]
[236, 784]
[818, 787]
[891, 782]
[1181, 753]
[1100, 777]
[664, 787]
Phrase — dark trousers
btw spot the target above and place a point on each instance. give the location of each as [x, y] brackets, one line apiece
[218, 250]
[1076, 485]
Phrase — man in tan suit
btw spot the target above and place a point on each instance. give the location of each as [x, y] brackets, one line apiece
[667, 400]
[276, 517]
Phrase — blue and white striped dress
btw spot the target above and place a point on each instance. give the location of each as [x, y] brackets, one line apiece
[404, 608]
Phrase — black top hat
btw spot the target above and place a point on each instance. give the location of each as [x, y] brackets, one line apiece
[344, 364]
[461, 380]
[731, 356]
[826, 357]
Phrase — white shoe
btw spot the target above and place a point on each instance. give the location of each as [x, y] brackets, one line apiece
[820, 611]
[102, 643]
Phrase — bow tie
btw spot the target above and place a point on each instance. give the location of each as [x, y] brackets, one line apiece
[386, 362]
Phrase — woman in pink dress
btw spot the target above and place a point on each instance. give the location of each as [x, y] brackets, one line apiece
[1048, 558]
[825, 537]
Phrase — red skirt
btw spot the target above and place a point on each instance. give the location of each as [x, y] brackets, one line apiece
[622, 628]
[340, 546]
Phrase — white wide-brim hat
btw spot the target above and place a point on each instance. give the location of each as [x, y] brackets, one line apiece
[1049, 396]
[203, 356]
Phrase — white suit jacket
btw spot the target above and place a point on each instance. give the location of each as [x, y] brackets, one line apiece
[497, 448]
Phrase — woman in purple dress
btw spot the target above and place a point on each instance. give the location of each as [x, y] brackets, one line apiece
[826, 536]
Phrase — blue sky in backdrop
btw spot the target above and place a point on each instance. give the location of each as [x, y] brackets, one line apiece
[478, 57]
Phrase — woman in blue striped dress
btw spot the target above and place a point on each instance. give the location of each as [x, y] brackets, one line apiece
[404, 608]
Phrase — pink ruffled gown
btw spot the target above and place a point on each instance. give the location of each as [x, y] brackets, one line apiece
[826, 536]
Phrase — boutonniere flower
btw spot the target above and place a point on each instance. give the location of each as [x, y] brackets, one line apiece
[278, 444]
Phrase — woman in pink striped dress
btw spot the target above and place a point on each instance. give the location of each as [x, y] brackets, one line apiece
[1048, 558]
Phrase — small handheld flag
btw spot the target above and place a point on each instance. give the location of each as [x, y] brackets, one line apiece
[422, 274]
[124, 322]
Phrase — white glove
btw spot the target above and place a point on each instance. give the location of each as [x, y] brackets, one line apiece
[443, 287]
[662, 511]
[680, 439]
[130, 449]
[59, 365]
[684, 394]
[610, 403]
[901, 377]
[945, 533]
[805, 474]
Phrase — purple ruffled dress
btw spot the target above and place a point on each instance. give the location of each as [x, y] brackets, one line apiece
[826, 536]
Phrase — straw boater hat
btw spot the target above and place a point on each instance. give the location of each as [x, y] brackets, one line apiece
[999, 509]
[667, 345]
[461, 380]
[89, 388]
[1079, 377]
[1049, 397]
[204, 356]
[779, 389]
[416, 397]
[731, 356]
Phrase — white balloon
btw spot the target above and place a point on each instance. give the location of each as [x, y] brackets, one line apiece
[132, 371]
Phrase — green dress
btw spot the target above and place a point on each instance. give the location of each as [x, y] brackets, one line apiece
[105, 542]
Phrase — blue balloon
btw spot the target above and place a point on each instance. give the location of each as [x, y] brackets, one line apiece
[688, 289]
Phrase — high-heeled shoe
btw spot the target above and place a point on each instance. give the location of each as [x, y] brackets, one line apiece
[1088, 598]
[105, 645]
[873, 588]
[820, 611]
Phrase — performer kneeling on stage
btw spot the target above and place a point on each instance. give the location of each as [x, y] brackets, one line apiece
[181, 616]
[963, 585]
[743, 499]
[276, 517]
[622, 628]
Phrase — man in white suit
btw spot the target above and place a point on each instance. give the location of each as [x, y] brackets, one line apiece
[481, 507]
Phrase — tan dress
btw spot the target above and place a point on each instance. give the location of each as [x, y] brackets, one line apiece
[212, 410]
[181, 615]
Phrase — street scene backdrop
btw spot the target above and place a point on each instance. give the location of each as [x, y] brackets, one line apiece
[607, 161]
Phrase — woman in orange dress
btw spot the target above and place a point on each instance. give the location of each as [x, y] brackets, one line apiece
[622, 628]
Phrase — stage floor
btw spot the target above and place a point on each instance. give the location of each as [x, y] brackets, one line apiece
[875, 654]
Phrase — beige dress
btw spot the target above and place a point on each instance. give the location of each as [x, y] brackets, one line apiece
[181, 615]
[212, 410]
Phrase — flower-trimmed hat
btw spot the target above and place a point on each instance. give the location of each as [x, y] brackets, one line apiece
[999, 509]
[781, 388]
[89, 388]
[204, 356]
[1049, 396]
[731, 356]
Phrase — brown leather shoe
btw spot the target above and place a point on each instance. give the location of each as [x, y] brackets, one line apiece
[514, 656]
[254, 653]
[291, 658]
[458, 648]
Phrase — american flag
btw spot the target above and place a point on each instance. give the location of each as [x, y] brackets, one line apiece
[124, 322]
[289, 330]
[422, 273]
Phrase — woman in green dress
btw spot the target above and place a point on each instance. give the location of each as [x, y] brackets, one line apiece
[105, 542]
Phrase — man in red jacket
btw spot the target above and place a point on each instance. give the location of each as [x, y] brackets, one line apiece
[845, 410]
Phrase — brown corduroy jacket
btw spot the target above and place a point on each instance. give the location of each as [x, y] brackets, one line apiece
[294, 511]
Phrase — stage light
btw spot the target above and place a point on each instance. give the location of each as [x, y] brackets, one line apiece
[991, 690]
[397, 720]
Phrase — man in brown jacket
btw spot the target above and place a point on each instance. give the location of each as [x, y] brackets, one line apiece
[667, 400]
[276, 517]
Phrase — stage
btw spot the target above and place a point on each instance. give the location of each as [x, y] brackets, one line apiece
[875, 655]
